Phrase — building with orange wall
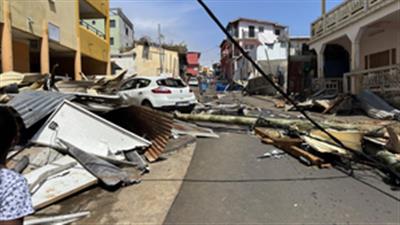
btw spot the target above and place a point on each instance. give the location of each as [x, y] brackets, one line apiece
[37, 35]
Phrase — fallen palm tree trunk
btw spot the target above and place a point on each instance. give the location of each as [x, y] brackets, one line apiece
[292, 124]
[242, 120]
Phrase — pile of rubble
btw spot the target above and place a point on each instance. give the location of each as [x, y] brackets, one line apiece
[367, 141]
[69, 135]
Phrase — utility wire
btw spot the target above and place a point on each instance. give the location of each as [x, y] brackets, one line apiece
[287, 97]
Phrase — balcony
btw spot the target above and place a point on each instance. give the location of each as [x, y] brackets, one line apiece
[335, 84]
[93, 8]
[93, 29]
[93, 44]
[345, 13]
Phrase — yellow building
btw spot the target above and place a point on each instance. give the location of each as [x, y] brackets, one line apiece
[37, 35]
[153, 61]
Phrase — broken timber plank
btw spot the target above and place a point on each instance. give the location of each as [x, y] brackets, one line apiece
[276, 137]
[289, 145]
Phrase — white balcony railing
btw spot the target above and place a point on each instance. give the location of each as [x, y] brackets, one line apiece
[379, 80]
[328, 84]
[345, 13]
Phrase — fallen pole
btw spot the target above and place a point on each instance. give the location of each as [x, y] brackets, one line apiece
[300, 125]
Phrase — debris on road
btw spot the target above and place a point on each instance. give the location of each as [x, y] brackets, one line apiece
[71, 135]
[376, 107]
[59, 220]
[183, 128]
[275, 153]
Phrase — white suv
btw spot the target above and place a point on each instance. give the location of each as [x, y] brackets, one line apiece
[158, 92]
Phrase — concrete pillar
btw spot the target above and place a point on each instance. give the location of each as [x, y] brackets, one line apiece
[355, 56]
[320, 60]
[44, 50]
[323, 7]
[108, 72]
[355, 38]
[6, 40]
[78, 60]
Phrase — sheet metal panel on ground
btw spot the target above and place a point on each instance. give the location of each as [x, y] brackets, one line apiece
[90, 132]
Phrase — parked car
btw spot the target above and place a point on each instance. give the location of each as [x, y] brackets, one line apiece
[158, 92]
[193, 82]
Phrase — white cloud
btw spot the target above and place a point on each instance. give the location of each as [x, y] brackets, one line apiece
[146, 15]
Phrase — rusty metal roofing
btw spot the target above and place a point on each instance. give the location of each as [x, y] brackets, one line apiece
[153, 125]
[33, 106]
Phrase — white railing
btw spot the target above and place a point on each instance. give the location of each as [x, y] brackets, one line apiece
[344, 13]
[379, 80]
[328, 84]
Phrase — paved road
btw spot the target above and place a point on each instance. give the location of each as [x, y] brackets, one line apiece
[227, 184]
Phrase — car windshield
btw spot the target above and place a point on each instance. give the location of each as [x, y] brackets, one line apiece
[171, 82]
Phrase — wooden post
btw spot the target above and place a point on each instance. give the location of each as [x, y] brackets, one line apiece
[6, 41]
[44, 50]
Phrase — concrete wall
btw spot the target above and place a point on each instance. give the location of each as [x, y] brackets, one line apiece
[59, 13]
[378, 41]
[125, 62]
[93, 46]
[151, 66]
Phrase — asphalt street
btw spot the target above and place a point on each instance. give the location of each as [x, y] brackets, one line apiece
[227, 184]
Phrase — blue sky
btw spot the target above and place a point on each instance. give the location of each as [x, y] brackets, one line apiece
[185, 21]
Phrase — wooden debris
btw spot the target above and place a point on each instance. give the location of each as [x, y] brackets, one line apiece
[350, 138]
[289, 145]
[277, 137]
[279, 103]
[393, 143]
[325, 147]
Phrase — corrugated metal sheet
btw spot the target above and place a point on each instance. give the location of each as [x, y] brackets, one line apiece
[35, 105]
[153, 125]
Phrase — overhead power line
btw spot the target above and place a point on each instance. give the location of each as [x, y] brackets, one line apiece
[287, 97]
